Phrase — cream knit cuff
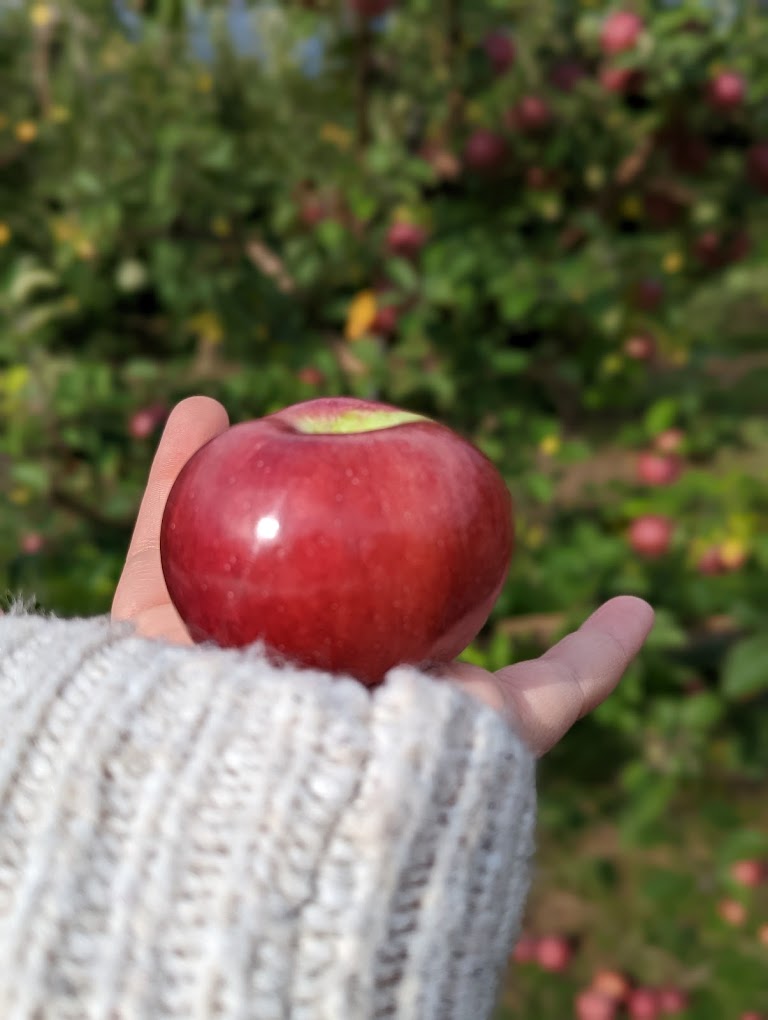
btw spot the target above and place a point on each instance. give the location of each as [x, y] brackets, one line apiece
[193, 833]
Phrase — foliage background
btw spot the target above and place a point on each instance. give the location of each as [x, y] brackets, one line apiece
[197, 198]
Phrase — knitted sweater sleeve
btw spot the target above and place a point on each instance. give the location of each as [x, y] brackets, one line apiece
[194, 833]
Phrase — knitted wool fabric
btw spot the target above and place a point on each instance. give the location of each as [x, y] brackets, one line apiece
[194, 833]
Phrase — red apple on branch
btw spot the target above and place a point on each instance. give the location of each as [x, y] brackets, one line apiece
[485, 151]
[406, 239]
[370, 8]
[347, 535]
[500, 50]
[554, 953]
[643, 1004]
[749, 872]
[620, 32]
[525, 949]
[650, 535]
[640, 347]
[612, 984]
[658, 468]
[594, 1005]
[530, 115]
[726, 90]
[673, 1000]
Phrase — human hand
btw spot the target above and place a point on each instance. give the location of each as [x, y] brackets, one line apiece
[541, 698]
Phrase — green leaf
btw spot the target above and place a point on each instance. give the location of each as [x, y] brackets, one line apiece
[745, 671]
[661, 415]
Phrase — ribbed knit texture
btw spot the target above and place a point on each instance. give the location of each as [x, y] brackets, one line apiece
[193, 833]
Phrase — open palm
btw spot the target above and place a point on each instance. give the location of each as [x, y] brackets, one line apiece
[541, 698]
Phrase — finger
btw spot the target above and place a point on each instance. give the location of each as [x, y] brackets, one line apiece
[191, 424]
[546, 696]
[597, 655]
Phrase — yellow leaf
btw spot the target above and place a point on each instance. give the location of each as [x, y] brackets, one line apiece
[632, 208]
[41, 15]
[336, 135]
[673, 262]
[208, 327]
[550, 445]
[204, 82]
[26, 131]
[59, 114]
[362, 312]
[221, 226]
[5, 233]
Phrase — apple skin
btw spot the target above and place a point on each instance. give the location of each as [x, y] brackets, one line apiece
[643, 1004]
[554, 953]
[612, 984]
[350, 552]
[658, 468]
[406, 239]
[650, 535]
[370, 8]
[620, 32]
[640, 347]
[593, 1005]
[485, 151]
[525, 949]
[673, 1000]
[500, 51]
[749, 872]
[726, 90]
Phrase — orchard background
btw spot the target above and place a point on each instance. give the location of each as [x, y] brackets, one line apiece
[543, 223]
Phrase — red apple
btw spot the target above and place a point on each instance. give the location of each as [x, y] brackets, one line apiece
[310, 376]
[643, 1004]
[500, 50]
[732, 912]
[669, 441]
[567, 75]
[621, 31]
[709, 563]
[593, 1005]
[621, 80]
[370, 8]
[663, 209]
[613, 984]
[648, 294]
[146, 420]
[406, 239]
[31, 542]
[651, 535]
[749, 872]
[751, 1015]
[726, 90]
[673, 1000]
[442, 160]
[485, 150]
[762, 934]
[658, 468]
[347, 535]
[554, 953]
[525, 949]
[640, 347]
[538, 178]
[757, 165]
[385, 321]
[707, 248]
[531, 114]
